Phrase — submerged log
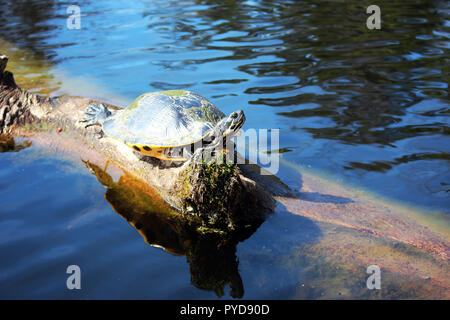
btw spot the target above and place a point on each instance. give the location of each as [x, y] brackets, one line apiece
[226, 199]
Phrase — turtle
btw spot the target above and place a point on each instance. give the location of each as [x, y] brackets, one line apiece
[172, 125]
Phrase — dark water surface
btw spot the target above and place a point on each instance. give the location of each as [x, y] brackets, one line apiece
[368, 107]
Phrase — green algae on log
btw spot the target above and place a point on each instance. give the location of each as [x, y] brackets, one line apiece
[219, 188]
[24, 113]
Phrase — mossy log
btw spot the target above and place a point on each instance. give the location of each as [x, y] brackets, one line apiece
[223, 196]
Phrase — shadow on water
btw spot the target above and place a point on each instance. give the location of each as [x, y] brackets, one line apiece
[211, 255]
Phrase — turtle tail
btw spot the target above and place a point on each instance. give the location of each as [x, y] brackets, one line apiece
[95, 114]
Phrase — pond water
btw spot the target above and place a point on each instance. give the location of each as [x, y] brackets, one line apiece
[368, 108]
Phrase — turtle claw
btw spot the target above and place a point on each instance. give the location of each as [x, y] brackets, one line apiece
[88, 122]
[95, 115]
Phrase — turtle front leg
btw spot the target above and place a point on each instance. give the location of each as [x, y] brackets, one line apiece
[95, 114]
[209, 153]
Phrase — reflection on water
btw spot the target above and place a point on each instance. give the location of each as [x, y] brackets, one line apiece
[211, 256]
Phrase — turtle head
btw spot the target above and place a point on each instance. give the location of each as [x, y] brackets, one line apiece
[232, 124]
[226, 128]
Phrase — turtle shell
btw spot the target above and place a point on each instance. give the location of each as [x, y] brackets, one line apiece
[166, 119]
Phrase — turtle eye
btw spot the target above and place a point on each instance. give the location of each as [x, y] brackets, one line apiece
[234, 115]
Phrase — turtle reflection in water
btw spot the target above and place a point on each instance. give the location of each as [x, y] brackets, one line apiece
[171, 125]
[211, 255]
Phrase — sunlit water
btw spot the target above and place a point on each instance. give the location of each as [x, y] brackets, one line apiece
[367, 107]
